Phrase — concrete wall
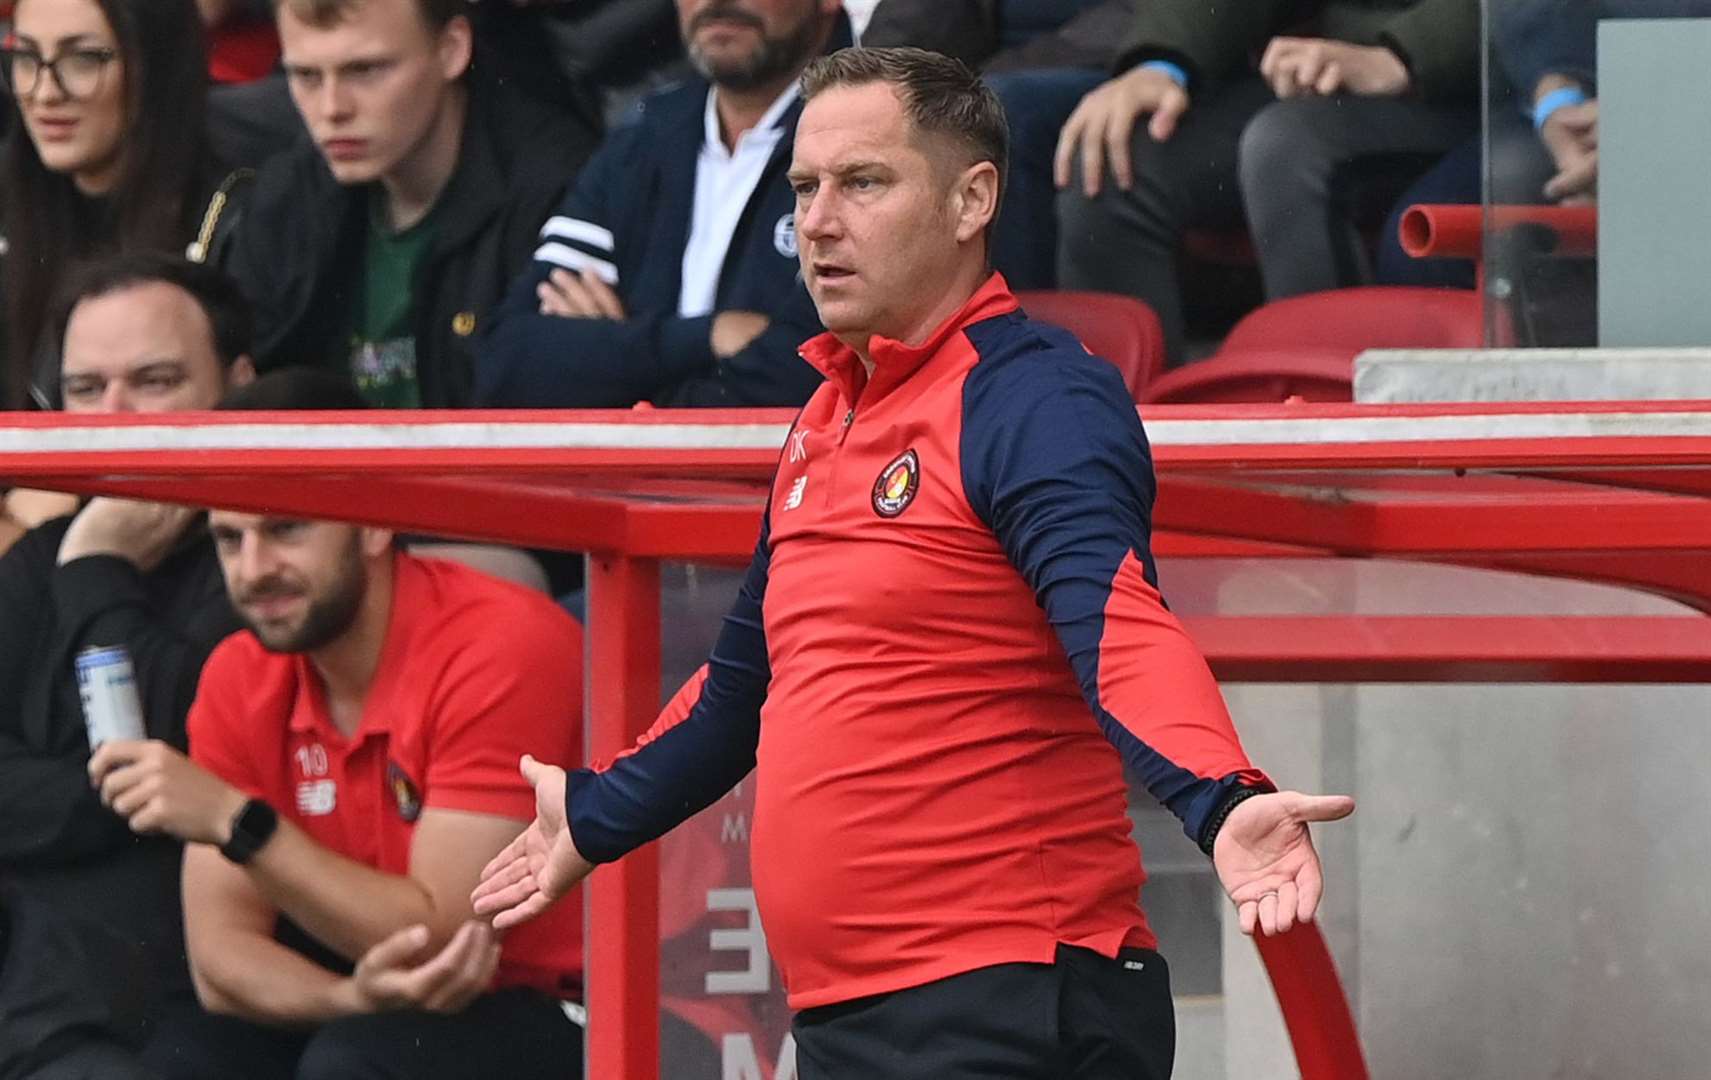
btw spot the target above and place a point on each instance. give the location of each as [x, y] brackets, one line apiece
[1525, 888]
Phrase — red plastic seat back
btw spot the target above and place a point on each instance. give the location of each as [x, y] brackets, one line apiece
[1305, 346]
[1119, 328]
[1257, 375]
[1351, 321]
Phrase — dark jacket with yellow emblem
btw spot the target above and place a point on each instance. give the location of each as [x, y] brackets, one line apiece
[300, 252]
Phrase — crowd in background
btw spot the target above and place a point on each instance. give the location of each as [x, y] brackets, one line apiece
[1297, 131]
[444, 204]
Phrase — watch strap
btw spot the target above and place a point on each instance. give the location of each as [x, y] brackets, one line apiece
[1237, 797]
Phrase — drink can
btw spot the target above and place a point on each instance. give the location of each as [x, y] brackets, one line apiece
[107, 683]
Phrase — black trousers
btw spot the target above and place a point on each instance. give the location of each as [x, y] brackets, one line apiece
[1084, 1017]
[518, 1034]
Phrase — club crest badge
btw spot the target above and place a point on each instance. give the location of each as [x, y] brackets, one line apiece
[404, 792]
[895, 489]
[784, 236]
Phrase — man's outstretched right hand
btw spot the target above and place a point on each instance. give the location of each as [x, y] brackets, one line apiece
[538, 867]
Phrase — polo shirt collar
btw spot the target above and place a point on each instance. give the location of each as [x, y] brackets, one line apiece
[894, 361]
[309, 711]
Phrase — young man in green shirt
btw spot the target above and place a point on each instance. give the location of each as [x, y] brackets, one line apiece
[379, 246]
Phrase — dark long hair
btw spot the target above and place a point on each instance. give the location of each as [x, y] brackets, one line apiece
[164, 162]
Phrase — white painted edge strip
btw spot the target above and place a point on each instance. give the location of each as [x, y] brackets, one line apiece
[1355, 430]
[576, 259]
[573, 435]
[428, 436]
[577, 229]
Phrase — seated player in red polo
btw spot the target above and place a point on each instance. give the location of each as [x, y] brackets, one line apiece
[352, 768]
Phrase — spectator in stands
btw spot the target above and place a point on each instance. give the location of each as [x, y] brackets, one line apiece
[1550, 52]
[380, 247]
[1543, 129]
[1040, 57]
[91, 944]
[669, 274]
[353, 766]
[111, 94]
[250, 108]
[1370, 84]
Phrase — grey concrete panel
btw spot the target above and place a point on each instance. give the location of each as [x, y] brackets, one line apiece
[1396, 376]
[1535, 881]
[1654, 152]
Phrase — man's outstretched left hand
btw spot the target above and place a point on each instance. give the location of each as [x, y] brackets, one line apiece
[1265, 858]
[540, 866]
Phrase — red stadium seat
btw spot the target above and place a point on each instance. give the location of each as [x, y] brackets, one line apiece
[1257, 375]
[1305, 346]
[1119, 328]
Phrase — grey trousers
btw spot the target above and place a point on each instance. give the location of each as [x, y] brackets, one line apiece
[1293, 171]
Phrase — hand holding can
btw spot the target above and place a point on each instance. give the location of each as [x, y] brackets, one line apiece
[107, 683]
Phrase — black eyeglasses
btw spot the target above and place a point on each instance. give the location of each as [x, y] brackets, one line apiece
[77, 72]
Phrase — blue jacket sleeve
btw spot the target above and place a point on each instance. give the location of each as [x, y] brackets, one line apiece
[530, 360]
[1056, 463]
[691, 756]
[1535, 38]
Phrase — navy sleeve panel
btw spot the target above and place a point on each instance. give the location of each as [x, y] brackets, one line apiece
[769, 372]
[530, 360]
[679, 769]
[1055, 462]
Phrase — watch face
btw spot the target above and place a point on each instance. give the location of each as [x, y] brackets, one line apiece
[252, 828]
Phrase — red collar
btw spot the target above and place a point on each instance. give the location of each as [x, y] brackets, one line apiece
[893, 361]
[310, 712]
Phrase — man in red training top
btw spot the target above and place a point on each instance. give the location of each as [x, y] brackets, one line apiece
[352, 767]
[950, 621]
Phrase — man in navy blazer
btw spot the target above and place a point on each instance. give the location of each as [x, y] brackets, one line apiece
[669, 274]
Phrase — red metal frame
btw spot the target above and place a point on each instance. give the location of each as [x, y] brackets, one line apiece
[623, 900]
[1607, 492]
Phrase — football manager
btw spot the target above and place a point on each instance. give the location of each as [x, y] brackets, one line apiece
[951, 621]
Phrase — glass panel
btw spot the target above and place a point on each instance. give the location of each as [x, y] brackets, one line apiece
[1595, 149]
[723, 1013]
[1539, 232]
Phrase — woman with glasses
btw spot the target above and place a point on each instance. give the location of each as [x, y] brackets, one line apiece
[111, 155]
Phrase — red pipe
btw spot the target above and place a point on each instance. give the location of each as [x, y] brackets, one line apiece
[1458, 232]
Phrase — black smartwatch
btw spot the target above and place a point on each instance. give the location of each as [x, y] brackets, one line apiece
[252, 827]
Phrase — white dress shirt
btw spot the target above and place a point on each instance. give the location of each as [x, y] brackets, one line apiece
[724, 180]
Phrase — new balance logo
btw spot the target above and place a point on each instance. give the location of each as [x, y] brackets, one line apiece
[317, 798]
[1134, 965]
[794, 499]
